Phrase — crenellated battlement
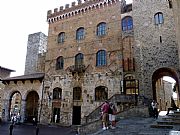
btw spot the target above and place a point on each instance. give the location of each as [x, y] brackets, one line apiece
[76, 9]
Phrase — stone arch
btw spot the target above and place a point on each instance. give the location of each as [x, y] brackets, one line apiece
[32, 106]
[11, 93]
[159, 93]
[75, 83]
[129, 75]
[100, 83]
[15, 98]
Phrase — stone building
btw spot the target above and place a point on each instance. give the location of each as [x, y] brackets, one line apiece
[84, 59]
[176, 9]
[97, 50]
[4, 72]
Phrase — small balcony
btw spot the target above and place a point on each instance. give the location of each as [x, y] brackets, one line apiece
[77, 68]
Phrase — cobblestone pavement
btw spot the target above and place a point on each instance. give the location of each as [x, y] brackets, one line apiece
[31, 130]
[138, 126]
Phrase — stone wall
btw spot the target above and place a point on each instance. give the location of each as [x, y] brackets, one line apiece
[155, 45]
[4, 72]
[176, 9]
[1, 97]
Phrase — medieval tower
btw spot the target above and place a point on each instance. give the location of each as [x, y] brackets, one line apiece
[156, 49]
[36, 48]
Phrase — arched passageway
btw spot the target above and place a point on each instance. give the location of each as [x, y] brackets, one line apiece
[32, 106]
[163, 90]
[15, 104]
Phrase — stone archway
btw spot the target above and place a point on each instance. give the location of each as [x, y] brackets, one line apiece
[32, 106]
[160, 92]
[14, 104]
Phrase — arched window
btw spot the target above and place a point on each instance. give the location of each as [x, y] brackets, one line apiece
[61, 37]
[57, 92]
[101, 29]
[101, 93]
[77, 93]
[60, 63]
[127, 23]
[158, 18]
[80, 34]
[101, 58]
[79, 59]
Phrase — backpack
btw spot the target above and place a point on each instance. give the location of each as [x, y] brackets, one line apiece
[114, 110]
[110, 110]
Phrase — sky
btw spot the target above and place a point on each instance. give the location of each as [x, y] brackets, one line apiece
[19, 18]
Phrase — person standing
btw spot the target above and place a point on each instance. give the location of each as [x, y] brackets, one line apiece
[154, 106]
[104, 110]
[112, 113]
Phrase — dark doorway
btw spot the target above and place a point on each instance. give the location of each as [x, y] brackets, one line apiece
[56, 115]
[76, 115]
[32, 106]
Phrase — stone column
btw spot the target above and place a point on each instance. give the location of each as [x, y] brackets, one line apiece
[6, 115]
[23, 110]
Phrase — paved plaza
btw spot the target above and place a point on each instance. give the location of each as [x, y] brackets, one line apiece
[31, 130]
[125, 126]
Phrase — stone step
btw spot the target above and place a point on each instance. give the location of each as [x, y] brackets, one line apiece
[177, 112]
[161, 126]
[171, 118]
[166, 122]
[174, 114]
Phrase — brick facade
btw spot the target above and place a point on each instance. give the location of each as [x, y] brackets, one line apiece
[93, 76]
